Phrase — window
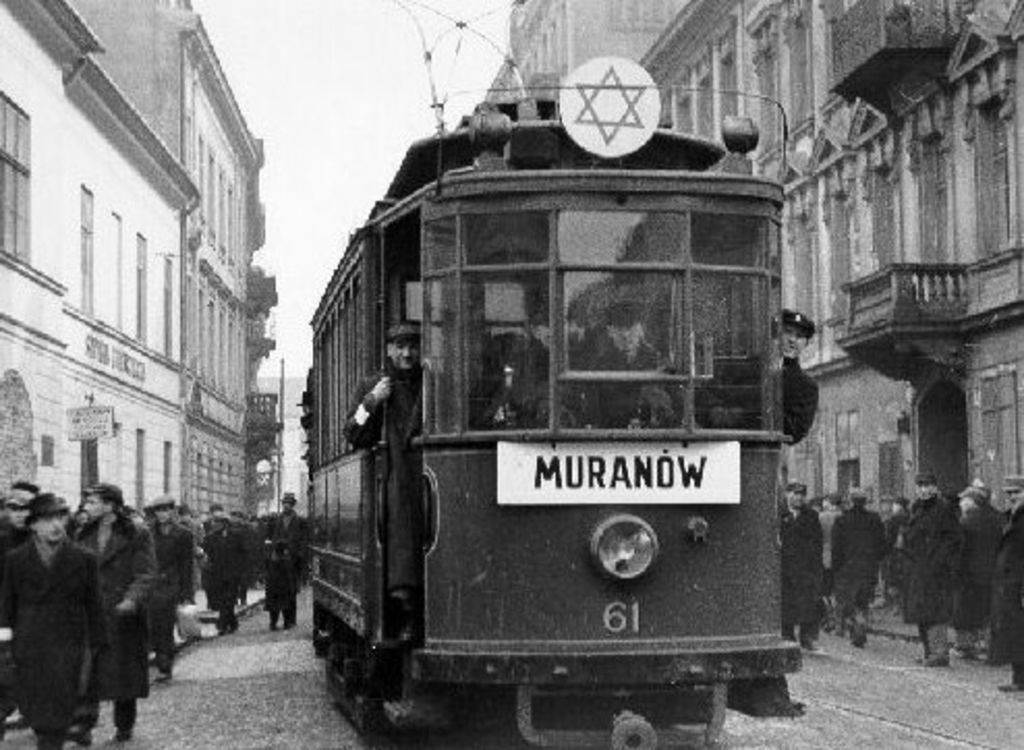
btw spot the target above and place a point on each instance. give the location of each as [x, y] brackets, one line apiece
[705, 99]
[766, 67]
[727, 77]
[141, 291]
[140, 467]
[119, 268]
[168, 307]
[683, 115]
[991, 168]
[847, 450]
[883, 219]
[168, 455]
[999, 422]
[87, 259]
[46, 450]
[839, 225]
[800, 63]
[222, 214]
[14, 175]
[89, 463]
[931, 190]
[211, 197]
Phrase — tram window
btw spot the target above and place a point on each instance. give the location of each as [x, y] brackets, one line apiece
[508, 344]
[440, 356]
[729, 239]
[731, 343]
[621, 322]
[439, 244]
[607, 237]
[503, 239]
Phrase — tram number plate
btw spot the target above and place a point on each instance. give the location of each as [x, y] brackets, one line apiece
[622, 618]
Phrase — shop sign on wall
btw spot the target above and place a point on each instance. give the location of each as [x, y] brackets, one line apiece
[115, 358]
[90, 422]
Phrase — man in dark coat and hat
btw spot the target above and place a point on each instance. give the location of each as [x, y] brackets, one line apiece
[226, 558]
[858, 546]
[127, 566]
[931, 548]
[801, 568]
[291, 530]
[982, 527]
[50, 608]
[1008, 590]
[173, 583]
[389, 407]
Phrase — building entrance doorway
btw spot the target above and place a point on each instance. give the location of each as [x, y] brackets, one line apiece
[942, 435]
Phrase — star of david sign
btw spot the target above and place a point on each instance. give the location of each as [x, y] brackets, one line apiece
[262, 480]
[609, 88]
[610, 106]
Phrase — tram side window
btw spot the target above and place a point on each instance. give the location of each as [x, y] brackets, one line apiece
[508, 341]
[731, 343]
[441, 356]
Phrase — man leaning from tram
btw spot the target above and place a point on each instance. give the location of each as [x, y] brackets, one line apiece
[388, 406]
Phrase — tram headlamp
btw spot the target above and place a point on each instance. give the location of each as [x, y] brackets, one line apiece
[624, 546]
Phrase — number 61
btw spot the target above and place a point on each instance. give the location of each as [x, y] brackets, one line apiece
[620, 617]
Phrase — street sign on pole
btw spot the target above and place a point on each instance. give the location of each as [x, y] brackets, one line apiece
[90, 422]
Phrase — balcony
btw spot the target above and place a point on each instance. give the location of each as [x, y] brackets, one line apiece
[907, 316]
[261, 422]
[261, 291]
[877, 44]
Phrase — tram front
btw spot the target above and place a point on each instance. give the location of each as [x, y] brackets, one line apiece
[602, 431]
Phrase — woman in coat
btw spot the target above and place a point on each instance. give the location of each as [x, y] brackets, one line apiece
[50, 607]
[127, 565]
[1008, 590]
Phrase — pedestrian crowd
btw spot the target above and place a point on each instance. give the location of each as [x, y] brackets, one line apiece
[87, 596]
[941, 562]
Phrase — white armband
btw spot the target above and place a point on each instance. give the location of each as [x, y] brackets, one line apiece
[6, 634]
[361, 415]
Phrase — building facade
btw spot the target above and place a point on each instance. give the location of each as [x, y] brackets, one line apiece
[173, 75]
[91, 209]
[895, 130]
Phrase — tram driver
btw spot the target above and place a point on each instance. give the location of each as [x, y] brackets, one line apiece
[389, 407]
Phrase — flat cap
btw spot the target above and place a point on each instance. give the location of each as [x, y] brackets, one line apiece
[976, 493]
[407, 329]
[1013, 483]
[799, 321]
[161, 502]
[798, 487]
[925, 477]
[108, 493]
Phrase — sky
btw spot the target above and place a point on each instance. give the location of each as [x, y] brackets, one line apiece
[338, 90]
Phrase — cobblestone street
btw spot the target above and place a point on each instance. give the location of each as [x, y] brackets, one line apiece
[253, 689]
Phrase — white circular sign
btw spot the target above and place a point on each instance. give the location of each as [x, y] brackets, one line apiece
[610, 106]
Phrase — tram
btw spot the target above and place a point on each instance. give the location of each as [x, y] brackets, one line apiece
[602, 431]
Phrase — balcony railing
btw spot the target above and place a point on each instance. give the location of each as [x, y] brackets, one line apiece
[908, 293]
[875, 37]
[261, 412]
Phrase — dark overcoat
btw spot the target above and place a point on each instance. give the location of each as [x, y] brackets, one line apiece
[282, 582]
[226, 560]
[982, 529]
[858, 546]
[799, 398]
[931, 547]
[56, 616]
[801, 566]
[293, 531]
[403, 422]
[1007, 595]
[127, 568]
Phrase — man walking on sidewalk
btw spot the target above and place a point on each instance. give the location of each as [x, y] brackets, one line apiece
[858, 546]
[801, 568]
[1008, 590]
[932, 549]
[173, 583]
[982, 529]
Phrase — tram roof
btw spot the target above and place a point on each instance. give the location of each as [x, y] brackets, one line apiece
[666, 150]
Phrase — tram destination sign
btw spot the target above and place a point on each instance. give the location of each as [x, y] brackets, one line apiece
[90, 422]
[619, 473]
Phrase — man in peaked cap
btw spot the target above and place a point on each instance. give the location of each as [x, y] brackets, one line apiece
[173, 582]
[398, 387]
[931, 547]
[1007, 585]
[799, 392]
[50, 607]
